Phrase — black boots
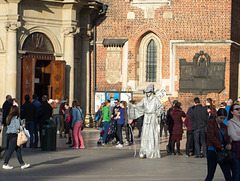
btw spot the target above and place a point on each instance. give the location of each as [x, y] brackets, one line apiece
[69, 141]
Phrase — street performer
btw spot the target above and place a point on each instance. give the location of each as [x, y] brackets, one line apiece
[151, 108]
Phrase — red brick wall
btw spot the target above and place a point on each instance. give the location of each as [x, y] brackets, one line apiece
[191, 20]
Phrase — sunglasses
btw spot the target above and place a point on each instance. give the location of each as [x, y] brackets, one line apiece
[237, 109]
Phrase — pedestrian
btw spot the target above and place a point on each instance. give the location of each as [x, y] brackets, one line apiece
[114, 112]
[68, 121]
[121, 116]
[229, 103]
[177, 114]
[233, 125]
[190, 140]
[163, 123]
[27, 113]
[170, 123]
[198, 119]
[45, 113]
[99, 118]
[106, 122]
[13, 125]
[56, 115]
[15, 102]
[209, 103]
[139, 125]
[217, 134]
[77, 124]
[62, 114]
[130, 122]
[6, 108]
[36, 103]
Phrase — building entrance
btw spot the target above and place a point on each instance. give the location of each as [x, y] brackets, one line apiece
[42, 75]
[42, 84]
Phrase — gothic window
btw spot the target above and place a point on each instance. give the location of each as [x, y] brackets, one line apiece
[149, 57]
[151, 62]
[38, 42]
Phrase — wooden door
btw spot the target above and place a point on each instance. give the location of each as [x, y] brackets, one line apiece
[58, 79]
[28, 77]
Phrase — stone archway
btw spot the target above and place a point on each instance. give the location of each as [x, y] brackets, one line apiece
[41, 74]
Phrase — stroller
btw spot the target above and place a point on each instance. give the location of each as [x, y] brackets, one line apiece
[113, 132]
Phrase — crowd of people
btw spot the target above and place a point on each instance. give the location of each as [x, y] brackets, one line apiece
[210, 129]
[32, 116]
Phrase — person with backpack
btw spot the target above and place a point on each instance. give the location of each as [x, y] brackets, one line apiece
[77, 124]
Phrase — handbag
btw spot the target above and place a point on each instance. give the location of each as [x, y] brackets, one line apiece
[224, 155]
[23, 136]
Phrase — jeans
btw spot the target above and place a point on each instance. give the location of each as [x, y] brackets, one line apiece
[119, 133]
[77, 136]
[30, 127]
[235, 167]
[200, 136]
[4, 137]
[36, 130]
[106, 125]
[163, 127]
[189, 141]
[212, 164]
[129, 132]
[13, 146]
[139, 125]
[57, 121]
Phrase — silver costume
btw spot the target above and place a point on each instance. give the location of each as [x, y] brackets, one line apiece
[151, 108]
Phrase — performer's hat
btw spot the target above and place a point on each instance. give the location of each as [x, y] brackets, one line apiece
[150, 88]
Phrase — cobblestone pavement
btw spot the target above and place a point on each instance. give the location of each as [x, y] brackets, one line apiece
[97, 163]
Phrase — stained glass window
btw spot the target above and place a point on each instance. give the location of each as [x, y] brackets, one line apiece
[151, 62]
[38, 42]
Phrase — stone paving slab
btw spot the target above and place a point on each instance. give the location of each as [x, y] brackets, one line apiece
[104, 164]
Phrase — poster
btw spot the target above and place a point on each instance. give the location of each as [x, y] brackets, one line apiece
[99, 99]
[112, 96]
[126, 97]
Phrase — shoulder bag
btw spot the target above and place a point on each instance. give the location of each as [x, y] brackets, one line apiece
[224, 155]
[23, 136]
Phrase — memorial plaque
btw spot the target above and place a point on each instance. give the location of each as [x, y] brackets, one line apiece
[201, 76]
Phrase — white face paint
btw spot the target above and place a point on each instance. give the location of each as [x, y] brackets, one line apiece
[148, 94]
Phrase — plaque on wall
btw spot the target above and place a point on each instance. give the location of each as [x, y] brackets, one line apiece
[201, 76]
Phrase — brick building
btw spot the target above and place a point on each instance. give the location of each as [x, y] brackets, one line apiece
[139, 42]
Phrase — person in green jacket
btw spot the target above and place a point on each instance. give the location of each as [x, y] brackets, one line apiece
[106, 121]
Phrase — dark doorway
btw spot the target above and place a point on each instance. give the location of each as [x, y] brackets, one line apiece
[42, 78]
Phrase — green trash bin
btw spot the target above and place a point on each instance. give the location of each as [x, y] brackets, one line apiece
[48, 138]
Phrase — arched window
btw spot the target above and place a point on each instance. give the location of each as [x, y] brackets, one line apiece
[38, 42]
[149, 57]
[151, 67]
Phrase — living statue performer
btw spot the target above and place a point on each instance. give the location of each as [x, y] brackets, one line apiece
[151, 108]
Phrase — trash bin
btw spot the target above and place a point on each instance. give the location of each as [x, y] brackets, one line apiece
[48, 138]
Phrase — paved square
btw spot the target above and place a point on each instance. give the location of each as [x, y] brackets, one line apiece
[105, 163]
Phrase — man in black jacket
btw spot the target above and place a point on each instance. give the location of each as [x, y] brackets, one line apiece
[45, 112]
[198, 120]
[6, 109]
[28, 113]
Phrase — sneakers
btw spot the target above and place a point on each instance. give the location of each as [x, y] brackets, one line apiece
[25, 166]
[58, 132]
[82, 147]
[75, 147]
[7, 167]
[120, 146]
